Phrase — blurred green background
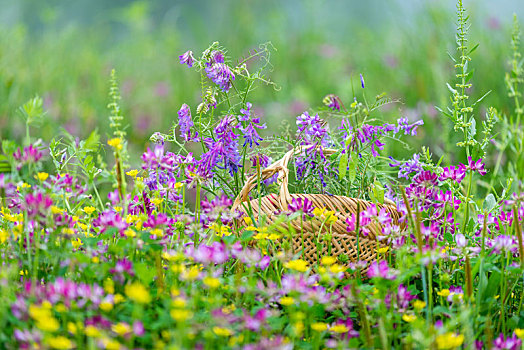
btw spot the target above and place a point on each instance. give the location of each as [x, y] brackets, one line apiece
[64, 51]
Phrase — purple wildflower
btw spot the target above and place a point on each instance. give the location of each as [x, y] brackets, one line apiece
[186, 123]
[301, 204]
[478, 166]
[187, 58]
[382, 270]
[361, 80]
[510, 343]
[407, 167]
[454, 173]
[221, 74]
[409, 129]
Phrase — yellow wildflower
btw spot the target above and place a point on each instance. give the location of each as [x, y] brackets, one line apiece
[382, 250]
[211, 282]
[56, 210]
[132, 173]
[118, 298]
[449, 340]
[318, 211]
[116, 143]
[443, 293]
[248, 221]
[191, 274]
[222, 332]
[89, 210]
[111, 344]
[336, 268]
[68, 231]
[118, 209]
[298, 265]
[72, 328]
[76, 243]
[409, 318]
[60, 342]
[109, 286]
[106, 306]
[328, 260]
[180, 315]
[60, 307]
[339, 328]
[157, 232]
[92, 331]
[179, 302]
[48, 324]
[319, 326]
[331, 218]
[130, 233]
[138, 293]
[287, 301]
[121, 328]
[520, 333]
[260, 236]
[41, 176]
[157, 201]
[95, 259]
[419, 304]
[3, 235]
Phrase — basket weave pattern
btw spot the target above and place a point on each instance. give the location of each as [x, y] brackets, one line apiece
[308, 231]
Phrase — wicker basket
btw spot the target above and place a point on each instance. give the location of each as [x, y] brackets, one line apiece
[306, 240]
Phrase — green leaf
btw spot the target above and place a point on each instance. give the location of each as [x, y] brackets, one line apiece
[453, 91]
[473, 49]
[378, 191]
[472, 127]
[480, 99]
[145, 273]
[343, 165]
[352, 167]
[489, 203]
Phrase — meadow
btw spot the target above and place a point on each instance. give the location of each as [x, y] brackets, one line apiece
[209, 197]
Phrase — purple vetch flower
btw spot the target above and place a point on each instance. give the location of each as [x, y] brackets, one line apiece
[221, 74]
[350, 222]
[407, 167]
[223, 149]
[260, 159]
[503, 244]
[186, 123]
[264, 262]
[37, 204]
[426, 178]
[245, 113]
[404, 298]
[255, 322]
[362, 80]
[301, 204]
[333, 102]
[382, 270]
[30, 154]
[138, 328]
[455, 173]
[250, 133]
[478, 166]
[187, 58]
[311, 128]
[511, 342]
[409, 129]
[215, 253]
